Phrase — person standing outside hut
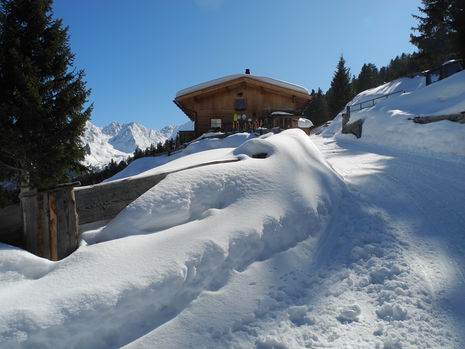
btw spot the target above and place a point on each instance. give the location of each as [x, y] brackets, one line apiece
[235, 122]
[244, 121]
[254, 121]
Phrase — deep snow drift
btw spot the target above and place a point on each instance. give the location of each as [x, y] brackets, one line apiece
[325, 242]
[187, 235]
[193, 154]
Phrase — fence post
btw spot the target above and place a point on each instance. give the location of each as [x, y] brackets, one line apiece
[346, 116]
[50, 221]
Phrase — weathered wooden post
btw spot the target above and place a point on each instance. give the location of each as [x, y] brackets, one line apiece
[11, 231]
[50, 221]
[346, 117]
[354, 128]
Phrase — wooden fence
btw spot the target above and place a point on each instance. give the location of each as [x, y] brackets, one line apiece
[105, 200]
[50, 221]
[369, 103]
[459, 117]
[355, 127]
[47, 223]
[11, 231]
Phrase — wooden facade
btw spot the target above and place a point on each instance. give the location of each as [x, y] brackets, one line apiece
[213, 106]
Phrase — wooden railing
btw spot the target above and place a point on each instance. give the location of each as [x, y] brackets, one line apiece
[355, 127]
[47, 223]
[11, 231]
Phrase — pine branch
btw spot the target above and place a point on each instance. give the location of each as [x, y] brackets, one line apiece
[13, 168]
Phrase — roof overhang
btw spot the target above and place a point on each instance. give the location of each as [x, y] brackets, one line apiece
[277, 86]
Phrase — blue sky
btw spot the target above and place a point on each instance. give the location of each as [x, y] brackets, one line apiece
[138, 53]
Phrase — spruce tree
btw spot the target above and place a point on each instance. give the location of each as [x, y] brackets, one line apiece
[42, 97]
[368, 78]
[401, 66]
[138, 153]
[340, 91]
[438, 38]
[458, 27]
[317, 109]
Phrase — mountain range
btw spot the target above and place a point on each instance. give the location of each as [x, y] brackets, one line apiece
[118, 141]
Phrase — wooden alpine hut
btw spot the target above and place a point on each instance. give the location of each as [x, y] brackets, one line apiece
[242, 102]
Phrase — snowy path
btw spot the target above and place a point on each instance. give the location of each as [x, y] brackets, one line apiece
[272, 252]
[388, 273]
[408, 236]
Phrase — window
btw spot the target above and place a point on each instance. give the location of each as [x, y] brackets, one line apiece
[239, 103]
[215, 123]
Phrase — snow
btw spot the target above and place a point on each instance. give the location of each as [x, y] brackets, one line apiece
[224, 79]
[99, 150]
[118, 141]
[161, 252]
[132, 135]
[322, 241]
[387, 123]
[195, 153]
[281, 113]
[304, 123]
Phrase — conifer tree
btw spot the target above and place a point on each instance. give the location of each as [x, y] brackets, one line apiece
[438, 31]
[458, 27]
[138, 153]
[340, 91]
[317, 109]
[42, 97]
[368, 78]
[400, 66]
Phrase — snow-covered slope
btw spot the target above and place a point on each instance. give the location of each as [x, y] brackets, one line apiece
[118, 141]
[99, 151]
[386, 124]
[211, 223]
[327, 242]
[191, 155]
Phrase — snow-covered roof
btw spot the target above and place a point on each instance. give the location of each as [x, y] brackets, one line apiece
[276, 113]
[224, 79]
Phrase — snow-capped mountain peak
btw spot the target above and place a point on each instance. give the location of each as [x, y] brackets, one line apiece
[112, 129]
